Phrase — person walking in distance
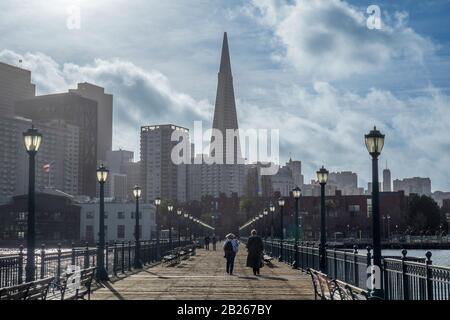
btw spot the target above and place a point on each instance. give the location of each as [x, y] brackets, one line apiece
[207, 240]
[255, 247]
[230, 248]
[214, 242]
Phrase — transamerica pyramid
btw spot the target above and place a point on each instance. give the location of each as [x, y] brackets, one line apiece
[225, 116]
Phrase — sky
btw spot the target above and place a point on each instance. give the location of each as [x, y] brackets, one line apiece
[311, 68]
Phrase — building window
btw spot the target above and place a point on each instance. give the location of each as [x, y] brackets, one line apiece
[89, 215]
[106, 215]
[133, 215]
[20, 235]
[120, 215]
[21, 216]
[121, 232]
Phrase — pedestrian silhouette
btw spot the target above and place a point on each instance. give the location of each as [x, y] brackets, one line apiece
[255, 247]
[230, 248]
[207, 240]
[214, 242]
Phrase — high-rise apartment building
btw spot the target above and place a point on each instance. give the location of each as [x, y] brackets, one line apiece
[75, 111]
[387, 187]
[104, 116]
[161, 176]
[15, 84]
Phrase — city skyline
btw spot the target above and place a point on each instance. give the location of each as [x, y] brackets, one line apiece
[323, 115]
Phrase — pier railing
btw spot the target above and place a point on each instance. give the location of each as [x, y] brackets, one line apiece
[119, 258]
[402, 277]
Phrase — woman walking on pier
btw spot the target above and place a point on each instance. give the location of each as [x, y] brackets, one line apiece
[255, 247]
[230, 248]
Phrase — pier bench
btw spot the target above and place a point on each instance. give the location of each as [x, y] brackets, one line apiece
[171, 259]
[68, 289]
[36, 290]
[326, 288]
[267, 259]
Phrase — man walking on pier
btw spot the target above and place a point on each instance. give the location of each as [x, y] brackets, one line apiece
[214, 242]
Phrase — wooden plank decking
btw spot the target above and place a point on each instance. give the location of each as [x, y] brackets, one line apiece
[203, 277]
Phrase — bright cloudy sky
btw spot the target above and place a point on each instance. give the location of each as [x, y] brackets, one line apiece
[310, 68]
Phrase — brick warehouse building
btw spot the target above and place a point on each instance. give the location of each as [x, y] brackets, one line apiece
[57, 219]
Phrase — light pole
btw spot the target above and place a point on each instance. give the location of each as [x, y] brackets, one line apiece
[296, 193]
[169, 211]
[179, 212]
[137, 191]
[190, 227]
[281, 204]
[157, 204]
[389, 228]
[322, 177]
[261, 216]
[272, 211]
[102, 176]
[265, 213]
[374, 143]
[32, 140]
[186, 216]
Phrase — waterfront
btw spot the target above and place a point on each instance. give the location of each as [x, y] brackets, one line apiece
[439, 257]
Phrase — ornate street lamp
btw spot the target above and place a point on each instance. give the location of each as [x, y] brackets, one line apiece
[158, 227]
[272, 211]
[281, 205]
[169, 211]
[32, 140]
[297, 192]
[179, 213]
[137, 192]
[265, 213]
[190, 227]
[102, 274]
[375, 143]
[322, 178]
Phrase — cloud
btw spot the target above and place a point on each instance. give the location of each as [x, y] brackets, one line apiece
[329, 40]
[141, 97]
[326, 126]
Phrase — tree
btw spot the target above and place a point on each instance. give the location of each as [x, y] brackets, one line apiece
[424, 215]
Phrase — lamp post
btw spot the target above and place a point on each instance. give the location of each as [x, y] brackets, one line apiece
[137, 191]
[32, 140]
[102, 176]
[190, 227]
[389, 228]
[169, 211]
[281, 204]
[265, 213]
[179, 213]
[374, 143]
[157, 204]
[322, 177]
[261, 216]
[186, 216]
[296, 193]
[272, 211]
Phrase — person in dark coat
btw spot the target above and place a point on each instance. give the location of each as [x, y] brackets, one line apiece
[255, 247]
[207, 240]
[214, 242]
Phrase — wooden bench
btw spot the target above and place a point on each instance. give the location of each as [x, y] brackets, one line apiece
[326, 288]
[267, 259]
[36, 290]
[72, 289]
[171, 259]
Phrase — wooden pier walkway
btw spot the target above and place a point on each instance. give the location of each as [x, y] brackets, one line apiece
[203, 277]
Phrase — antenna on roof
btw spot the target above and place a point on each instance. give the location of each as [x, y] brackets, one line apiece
[20, 63]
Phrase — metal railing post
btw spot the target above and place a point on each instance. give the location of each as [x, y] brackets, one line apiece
[369, 263]
[335, 262]
[42, 275]
[20, 273]
[129, 255]
[107, 256]
[123, 256]
[58, 268]
[404, 276]
[430, 295]
[73, 253]
[355, 266]
[115, 258]
[86, 256]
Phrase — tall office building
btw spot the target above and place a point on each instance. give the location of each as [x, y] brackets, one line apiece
[346, 181]
[76, 111]
[296, 169]
[161, 176]
[224, 177]
[117, 160]
[15, 84]
[104, 116]
[387, 180]
[134, 178]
